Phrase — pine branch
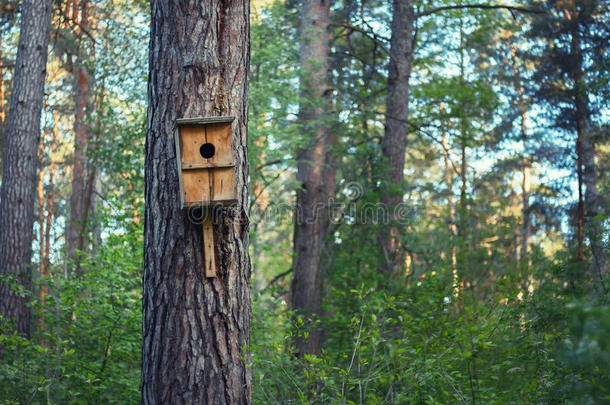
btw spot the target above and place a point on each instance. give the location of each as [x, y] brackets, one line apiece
[480, 6]
[277, 278]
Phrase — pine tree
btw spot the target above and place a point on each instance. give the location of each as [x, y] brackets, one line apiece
[195, 329]
[20, 162]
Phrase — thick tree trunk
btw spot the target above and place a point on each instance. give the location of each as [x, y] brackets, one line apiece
[20, 161]
[195, 329]
[394, 143]
[78, 197]
[311, 214]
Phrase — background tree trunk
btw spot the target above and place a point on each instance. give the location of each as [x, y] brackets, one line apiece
[589, 207]
[526, 185]
[311, 214]
[20, 161]
[77, 225]
[394, 143]
[195, 330]
[526, 163]
[2, 96]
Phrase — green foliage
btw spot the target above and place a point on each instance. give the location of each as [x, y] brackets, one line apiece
[87, 348]
[422, 344]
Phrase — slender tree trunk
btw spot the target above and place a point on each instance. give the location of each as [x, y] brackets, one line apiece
[2, 96]
[20, 161]
[78, 197]
[526, 228]
[580, 210]
[46, 222]
[41, 238]
[526, 164]
[93, 184]
[465, 230]
[589, 204]
[311, 215]
[259, 203]
[448, 172]
[592, 209]
[41, 216]
[394, 143]
[515, 246]
[51, 188]
[195, 329]
[2, 106]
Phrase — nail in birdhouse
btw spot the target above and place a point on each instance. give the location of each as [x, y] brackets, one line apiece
[206, 165]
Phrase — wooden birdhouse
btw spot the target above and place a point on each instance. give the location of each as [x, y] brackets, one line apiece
[206, 164]
[206, 171]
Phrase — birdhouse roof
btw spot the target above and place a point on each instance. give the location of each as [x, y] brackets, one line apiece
[204, 120]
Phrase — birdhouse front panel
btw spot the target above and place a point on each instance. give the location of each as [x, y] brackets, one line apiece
[206, 161]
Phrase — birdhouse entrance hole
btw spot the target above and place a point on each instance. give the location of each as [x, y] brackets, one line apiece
[207, 150]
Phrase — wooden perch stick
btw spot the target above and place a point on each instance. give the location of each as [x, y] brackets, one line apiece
[208, 247]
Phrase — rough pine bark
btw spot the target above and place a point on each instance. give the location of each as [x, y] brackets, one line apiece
[311, 217]
[20, 162]
[196, 331]
[394, 143]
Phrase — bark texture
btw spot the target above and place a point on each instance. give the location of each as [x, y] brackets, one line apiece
[394, 143]
[20, 162]
[195, 330]
[311, 217]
